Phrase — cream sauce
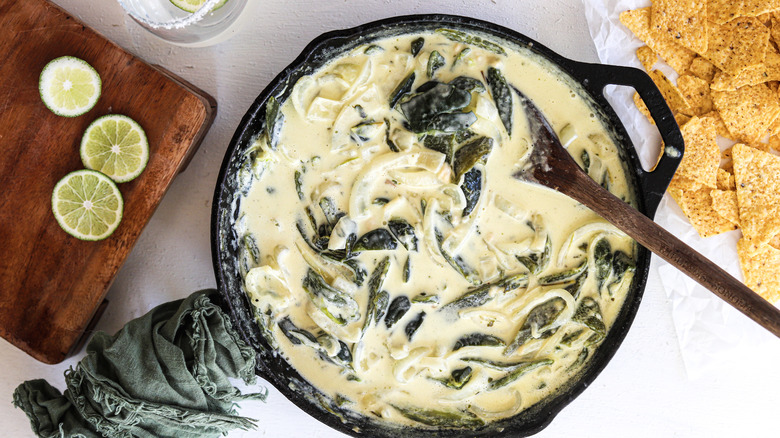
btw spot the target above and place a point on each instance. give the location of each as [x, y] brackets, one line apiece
[334, 144]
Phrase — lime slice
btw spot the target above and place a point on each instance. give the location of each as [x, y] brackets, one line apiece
[87, 205]
[116, 146]
[69, 86]
[194, 5]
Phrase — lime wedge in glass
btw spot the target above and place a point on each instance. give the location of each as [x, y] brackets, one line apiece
[87, 205]
[69, 86]
[194, 5]
[116, 146]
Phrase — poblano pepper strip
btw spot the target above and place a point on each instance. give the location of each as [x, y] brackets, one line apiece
[502, 96]
[478, 340]
[338, 306]
[435, 62]
[481, 295]
[378, 300]
[438, 418]
[539, 319]
[465, 38]
[517, 373]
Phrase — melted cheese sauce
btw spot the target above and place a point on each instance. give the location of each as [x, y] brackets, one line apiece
[342, 164]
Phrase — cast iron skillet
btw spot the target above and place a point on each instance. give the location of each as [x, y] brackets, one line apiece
[588, 79]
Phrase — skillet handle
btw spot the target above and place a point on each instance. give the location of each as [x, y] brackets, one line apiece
[653, 183]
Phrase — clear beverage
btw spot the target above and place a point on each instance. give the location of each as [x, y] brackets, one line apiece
[213, 22]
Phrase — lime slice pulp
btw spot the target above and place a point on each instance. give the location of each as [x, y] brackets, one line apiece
[69, 86]
[194, 5]
[116, 146]
[87, 205]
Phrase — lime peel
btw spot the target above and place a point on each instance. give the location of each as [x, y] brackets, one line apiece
[69, 86]
[194, 5]
[87, 205]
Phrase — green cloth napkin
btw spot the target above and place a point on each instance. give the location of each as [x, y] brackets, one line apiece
[164, 374]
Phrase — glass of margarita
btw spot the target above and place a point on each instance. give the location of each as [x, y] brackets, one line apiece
[188, 22]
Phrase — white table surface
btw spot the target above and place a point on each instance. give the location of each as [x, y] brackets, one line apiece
[644, 391]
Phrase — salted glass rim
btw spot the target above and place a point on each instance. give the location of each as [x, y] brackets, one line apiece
[177, 23]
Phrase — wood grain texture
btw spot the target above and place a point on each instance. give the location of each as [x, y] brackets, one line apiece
[52, 283]
[553, 167]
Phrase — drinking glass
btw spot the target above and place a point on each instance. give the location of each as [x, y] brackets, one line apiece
[214, 21]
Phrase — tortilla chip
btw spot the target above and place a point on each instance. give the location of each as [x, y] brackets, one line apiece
[765, 18]
[672, 95]
[638, 21]
[726, 180]
[701, 68]
[679, 185]
[757, 176]
[697, 93]
[640, 105]
[761, 268]
[647, 57]
[681, 119]
[775, 242]
[724, 202]
[738, 44]
[720, 127]
[683, 20]
[697, 206]
[774, 128]
[774, 141]
[774, 30]
[748, 112]
[702, 155]
[722, 11]
[753, 75]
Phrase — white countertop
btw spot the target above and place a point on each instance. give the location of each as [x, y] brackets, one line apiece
[643, 392]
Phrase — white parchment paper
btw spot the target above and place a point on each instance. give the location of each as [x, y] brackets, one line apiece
[711, 334]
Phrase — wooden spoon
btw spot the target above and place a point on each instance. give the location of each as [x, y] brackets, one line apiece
[551, 165]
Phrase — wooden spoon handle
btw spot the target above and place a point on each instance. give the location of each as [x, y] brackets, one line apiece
[673, 250]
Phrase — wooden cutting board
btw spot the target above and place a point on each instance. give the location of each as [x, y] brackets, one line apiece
[51, 284]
